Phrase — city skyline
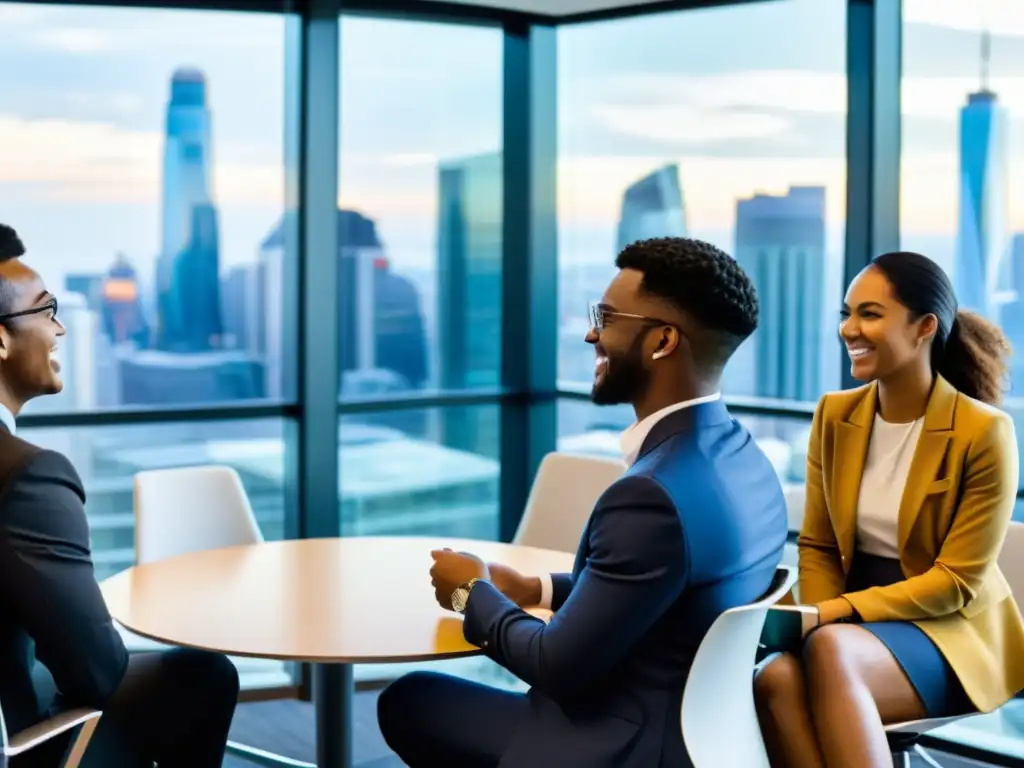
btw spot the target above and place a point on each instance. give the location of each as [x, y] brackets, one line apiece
[101, 121]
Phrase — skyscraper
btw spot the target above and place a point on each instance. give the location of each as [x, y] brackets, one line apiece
[780, 242]
[188, 284]
[981, 236]
[380, 320]
[123, 318]
[469, 243]
[652, 207]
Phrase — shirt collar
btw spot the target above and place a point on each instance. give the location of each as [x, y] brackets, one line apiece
[632, 440]
[7, 418]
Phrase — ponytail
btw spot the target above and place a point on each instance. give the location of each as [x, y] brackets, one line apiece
[973, 357]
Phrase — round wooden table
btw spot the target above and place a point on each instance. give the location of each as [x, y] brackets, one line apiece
[332, 602]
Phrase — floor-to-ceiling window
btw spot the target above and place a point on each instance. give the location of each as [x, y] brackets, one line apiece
[960, 203]
[141, 163]
[728, 125]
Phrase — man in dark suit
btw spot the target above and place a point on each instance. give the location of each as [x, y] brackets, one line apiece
[696, 526]
[58, 645]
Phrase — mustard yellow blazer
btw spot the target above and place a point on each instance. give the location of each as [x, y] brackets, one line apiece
[953, 517]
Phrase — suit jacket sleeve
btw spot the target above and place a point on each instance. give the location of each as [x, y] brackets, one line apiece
[637, 568]
[821, 570]
[972, 545]
[45, 557]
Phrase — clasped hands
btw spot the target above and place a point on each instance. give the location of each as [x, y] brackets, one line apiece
[453, 569]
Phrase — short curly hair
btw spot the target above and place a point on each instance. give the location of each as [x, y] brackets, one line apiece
[705, 283]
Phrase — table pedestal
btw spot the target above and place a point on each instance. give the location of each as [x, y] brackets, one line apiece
[332, 702]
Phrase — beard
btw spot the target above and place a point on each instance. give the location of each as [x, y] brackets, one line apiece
[625, 378]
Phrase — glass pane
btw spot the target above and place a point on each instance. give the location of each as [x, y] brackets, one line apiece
[142, 163]
[422, 472]
[683, 123]
[107, 458]
[957, 203]
[962, 104]
[420, 213]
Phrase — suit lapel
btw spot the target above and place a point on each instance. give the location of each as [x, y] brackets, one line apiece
[928, 456]
[851, 451]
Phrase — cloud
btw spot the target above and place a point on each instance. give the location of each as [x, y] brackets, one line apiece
[73, 40]
[668, 122]
[90, 162]
[1003, 16]
[796, 90]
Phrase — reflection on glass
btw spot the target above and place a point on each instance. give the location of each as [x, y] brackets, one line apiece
[961, 105]
[107, 459]
[144, 166]
[744, 149]
[425, 472]
[420, 238]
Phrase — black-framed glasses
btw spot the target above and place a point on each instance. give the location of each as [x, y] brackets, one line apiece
[50, 306]
[599, 315]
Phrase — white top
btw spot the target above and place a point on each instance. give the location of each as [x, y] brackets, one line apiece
[890, 452]
[630, 443]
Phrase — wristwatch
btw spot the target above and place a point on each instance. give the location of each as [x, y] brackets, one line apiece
[461, 596]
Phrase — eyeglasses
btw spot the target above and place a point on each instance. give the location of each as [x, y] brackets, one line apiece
[599, 317]
[50, 306]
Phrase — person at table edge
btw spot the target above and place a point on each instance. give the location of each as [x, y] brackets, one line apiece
[174, 707]
[696, 526]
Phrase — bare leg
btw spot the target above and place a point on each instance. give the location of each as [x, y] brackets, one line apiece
[855, 685]
[785, 716]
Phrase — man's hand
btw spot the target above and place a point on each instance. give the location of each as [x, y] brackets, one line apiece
[451, 570]
[522, 590]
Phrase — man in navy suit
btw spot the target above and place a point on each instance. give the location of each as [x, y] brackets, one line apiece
[696, 526]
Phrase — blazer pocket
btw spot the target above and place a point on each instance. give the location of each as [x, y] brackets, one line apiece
[939, 486]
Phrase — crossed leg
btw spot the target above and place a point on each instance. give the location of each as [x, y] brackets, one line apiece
[828, 706]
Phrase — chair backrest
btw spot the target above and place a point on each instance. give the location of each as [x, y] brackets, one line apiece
[191, 509]
[1011, 561]
[563, 495]
[719, 719]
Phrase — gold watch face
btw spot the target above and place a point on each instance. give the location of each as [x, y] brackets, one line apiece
[459, 599]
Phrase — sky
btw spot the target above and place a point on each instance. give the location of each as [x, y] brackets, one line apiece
[745, 99]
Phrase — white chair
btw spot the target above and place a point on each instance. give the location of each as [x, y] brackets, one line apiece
[719, 719]
[564, 492]
[903, 737]
[193, 509]
[36, 734]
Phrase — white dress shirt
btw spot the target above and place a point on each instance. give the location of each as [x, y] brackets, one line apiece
[630, 443]
[7, 418]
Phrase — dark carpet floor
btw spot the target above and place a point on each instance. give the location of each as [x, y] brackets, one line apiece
[286, 728]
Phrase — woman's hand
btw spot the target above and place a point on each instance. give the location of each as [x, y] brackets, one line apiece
[833, 610]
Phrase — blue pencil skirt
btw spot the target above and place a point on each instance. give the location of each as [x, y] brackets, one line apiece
[926, 668]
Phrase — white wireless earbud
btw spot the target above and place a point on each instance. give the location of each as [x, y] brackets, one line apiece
[657, 355]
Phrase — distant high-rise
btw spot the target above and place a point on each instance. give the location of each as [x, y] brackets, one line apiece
[123, 317]
[981, 236]
[380, 318]
[188, 283]
[469, 243]
[780, 242]
[652, 207]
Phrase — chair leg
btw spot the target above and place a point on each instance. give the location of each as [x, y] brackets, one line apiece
[258, 756]
[81, 741]
[922, 753]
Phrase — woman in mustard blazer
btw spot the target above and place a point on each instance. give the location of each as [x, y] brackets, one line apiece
[911, 483]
